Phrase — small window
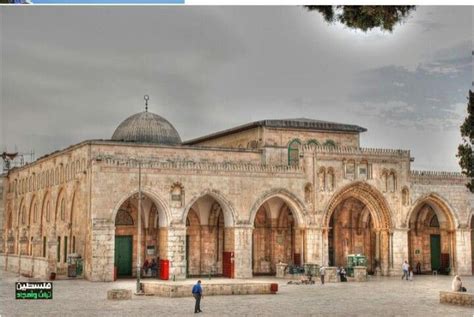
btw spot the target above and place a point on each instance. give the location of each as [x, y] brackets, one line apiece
[330, 143]
[65, 250]
[63, 210]
[47, 212]
[294, 153]
[23, 215]
[44, 247]
[59, 250]
[73, 244]
[35, 213]
[313, 142]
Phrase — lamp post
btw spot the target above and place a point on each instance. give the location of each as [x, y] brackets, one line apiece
[139, 225]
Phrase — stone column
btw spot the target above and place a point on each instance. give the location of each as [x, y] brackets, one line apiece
[103, 247]
[462, 253]
[176, 251]
[377, 251]
[324, 247]
[243, 251]
[313, 245]
[400, 249]
[384, 251]
[52, 253]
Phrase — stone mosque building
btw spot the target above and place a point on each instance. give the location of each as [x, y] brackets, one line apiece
[233, 203]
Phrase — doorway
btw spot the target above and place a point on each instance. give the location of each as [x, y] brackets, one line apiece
[123, 255]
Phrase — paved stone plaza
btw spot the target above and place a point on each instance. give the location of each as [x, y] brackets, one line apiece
[387, 296]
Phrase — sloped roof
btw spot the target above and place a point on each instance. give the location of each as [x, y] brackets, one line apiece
[298, 123]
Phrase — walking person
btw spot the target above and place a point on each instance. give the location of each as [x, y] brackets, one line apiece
[197, 293]
[405, 268]
[322, 271]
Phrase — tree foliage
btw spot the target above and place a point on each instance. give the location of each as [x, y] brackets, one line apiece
[364, 17]
[466, 150]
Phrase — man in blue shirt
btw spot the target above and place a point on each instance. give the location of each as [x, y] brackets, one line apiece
[197, 293]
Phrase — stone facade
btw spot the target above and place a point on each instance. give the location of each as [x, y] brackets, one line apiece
[216, 207]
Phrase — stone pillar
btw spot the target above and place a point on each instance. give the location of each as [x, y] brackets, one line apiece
[463, 252]
[377, 251]
[243, 251]
[103, 247]
[52, 253]
[313, 245]
[360, 273]
[324, 247]
[176, 251]
[330, 275]
[400, 250]
[384, 251]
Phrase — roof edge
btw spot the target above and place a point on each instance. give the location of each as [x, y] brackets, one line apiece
[303, 124]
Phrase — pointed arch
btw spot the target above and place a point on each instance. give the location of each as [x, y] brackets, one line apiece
[226, 205]
[294, 147]
[60, 205]
[367, 194]
[164, 215]
[441, 207]
[297, 207]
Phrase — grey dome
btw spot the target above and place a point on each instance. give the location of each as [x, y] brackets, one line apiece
[147, 127]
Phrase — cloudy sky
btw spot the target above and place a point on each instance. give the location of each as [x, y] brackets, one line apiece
[70, 74]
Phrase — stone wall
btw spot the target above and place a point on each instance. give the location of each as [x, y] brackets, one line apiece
[25, 265]
[96, 178]
[456, 298]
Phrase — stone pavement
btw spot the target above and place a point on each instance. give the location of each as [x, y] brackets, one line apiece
[378, 297]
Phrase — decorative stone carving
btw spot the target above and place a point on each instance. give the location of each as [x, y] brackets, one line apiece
[177, 195]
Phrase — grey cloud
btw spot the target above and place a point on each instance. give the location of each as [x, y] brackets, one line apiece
[425, 97]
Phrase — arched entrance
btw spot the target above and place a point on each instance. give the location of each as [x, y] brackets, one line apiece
[153, 242]
[352, 231]
[431, 236]
[277, 236]
[357, 221]
[209, 239]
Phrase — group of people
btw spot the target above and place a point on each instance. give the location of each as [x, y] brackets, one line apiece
[150, 266]
[456, 285]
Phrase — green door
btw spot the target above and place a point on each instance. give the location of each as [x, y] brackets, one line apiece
[435, 245]
[123, 255]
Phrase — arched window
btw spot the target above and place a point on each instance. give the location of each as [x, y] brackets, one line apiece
[35, 212]
[63, 209]
[294, 152]
[330, 179]
[405, 196]
[23, 215]
[392, 182]
[313, 142]
[322, 179]
[330, 143]
[308, 193]
[48, 214]
[61, 174]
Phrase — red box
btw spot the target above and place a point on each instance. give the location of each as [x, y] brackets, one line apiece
[274, 288]
[165, 269]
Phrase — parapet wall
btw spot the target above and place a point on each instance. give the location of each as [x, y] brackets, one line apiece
[441, 178]
[356, 151]
[117, 161]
